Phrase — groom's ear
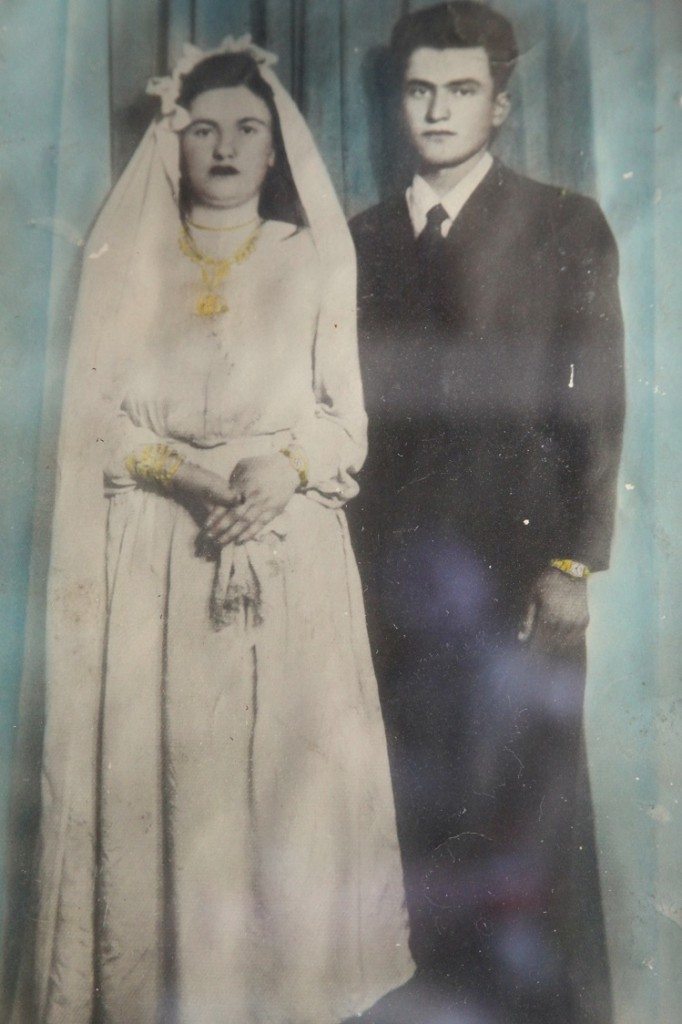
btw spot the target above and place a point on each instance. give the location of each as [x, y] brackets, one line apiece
[501, 108]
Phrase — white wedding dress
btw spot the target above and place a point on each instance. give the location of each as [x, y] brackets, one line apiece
[247, 865]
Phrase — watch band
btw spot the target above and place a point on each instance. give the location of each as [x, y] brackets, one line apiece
[577, 570]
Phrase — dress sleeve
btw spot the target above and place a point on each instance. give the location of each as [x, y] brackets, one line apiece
[334, 435]
[121, 439]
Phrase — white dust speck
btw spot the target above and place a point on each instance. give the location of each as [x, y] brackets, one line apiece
[629, 487]
[571, 382]
[628, 176]
[100, 252]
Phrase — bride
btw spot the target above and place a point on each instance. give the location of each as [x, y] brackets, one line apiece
[218, 842]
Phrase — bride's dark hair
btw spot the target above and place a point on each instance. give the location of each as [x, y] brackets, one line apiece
[279, 199]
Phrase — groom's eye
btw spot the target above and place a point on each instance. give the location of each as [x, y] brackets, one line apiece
[417, 91]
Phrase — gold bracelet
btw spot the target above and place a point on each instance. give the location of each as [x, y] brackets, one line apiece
[298, 460]
[577, 570]
[155, 463]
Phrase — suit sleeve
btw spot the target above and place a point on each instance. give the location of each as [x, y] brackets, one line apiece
[589, 383]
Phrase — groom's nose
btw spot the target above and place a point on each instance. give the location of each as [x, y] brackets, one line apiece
[439, 107]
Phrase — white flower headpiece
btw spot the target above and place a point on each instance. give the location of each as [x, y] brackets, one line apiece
[168, 88]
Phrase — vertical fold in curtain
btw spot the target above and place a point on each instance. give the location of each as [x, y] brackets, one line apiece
[365, 133]
[138, 37]
[321, 99]
[280, 27]
[179, 24]
[569, 80]
[667, 389]
[59, 180]
[30, 132]
[525, 141]
[623, 658]
[213, 21]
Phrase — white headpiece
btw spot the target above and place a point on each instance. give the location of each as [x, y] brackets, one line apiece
[168, 88]
[117, 306]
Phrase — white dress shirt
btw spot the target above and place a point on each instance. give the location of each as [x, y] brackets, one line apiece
[421, 197]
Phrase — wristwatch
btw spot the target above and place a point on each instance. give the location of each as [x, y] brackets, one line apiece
[577, 570]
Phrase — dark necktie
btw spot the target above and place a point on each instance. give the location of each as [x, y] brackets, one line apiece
[431, 263]
[430, 241]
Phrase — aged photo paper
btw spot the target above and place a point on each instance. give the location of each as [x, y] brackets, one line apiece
[340, 606]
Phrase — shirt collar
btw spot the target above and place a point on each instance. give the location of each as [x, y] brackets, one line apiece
[421, 197]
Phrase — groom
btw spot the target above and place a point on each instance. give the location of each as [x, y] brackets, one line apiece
[492, 354]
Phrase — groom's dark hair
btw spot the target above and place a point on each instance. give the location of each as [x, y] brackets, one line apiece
[459, 24]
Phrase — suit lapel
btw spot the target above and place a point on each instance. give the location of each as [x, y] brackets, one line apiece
[461, 286]
[474, 272]
[397, 257]
[482, 210]
[400, 241]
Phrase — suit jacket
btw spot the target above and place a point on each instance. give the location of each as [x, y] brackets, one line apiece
[493, 376]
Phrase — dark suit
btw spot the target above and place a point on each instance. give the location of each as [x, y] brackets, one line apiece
[493, 373]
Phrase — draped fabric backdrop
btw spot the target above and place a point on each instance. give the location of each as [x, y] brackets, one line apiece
[597, 107]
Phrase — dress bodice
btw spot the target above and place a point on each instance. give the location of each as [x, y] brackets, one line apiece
[246, 371]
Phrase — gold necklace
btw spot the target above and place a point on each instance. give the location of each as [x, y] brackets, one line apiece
[214, 272]
[228, 227]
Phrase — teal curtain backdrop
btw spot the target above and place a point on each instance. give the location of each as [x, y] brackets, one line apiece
[598, 108]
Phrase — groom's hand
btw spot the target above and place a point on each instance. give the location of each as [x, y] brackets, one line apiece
[557, 614]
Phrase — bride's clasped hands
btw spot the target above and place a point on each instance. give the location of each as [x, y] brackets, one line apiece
[259, 490]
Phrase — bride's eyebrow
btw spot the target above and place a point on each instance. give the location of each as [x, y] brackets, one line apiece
[254, 120]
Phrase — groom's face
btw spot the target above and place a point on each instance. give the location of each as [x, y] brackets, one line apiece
[450, 104]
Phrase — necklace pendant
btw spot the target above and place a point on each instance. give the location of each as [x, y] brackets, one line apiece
[214, 272]
[211, 304]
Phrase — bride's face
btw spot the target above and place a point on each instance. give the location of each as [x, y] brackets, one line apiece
[227, 148]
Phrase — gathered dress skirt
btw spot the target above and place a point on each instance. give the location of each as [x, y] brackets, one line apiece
[248, 866]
